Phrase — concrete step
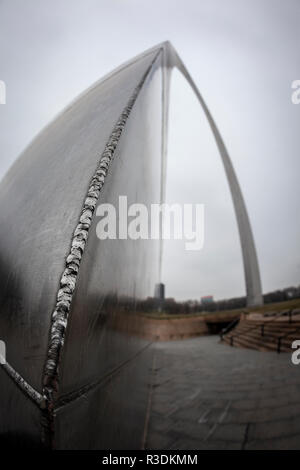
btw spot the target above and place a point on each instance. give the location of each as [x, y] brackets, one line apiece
[256, 334]
[246, 342]
[247, 334]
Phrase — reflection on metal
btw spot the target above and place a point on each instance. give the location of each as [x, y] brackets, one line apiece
[70, 304]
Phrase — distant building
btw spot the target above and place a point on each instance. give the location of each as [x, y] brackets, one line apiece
[159, 291]
[159, 296]
[207, 300]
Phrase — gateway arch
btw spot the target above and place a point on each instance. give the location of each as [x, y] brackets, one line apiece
[76, 376]
[250, 262]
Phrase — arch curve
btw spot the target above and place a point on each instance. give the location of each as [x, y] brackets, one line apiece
[250, 261]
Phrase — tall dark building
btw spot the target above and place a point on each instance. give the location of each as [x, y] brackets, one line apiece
[159, 291]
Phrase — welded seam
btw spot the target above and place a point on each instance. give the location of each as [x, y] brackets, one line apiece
[245, 440]
[82, 391]
[24, 386]
[59, 319]
[149, 403]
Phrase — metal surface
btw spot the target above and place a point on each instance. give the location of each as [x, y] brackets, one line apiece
[77, 376]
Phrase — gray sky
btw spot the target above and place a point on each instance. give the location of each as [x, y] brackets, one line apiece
[243, 56]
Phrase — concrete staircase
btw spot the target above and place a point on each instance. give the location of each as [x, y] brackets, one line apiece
[272, 334]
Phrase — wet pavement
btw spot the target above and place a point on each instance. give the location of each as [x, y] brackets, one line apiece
[208, 395]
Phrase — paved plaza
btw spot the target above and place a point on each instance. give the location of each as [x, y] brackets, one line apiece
[208, 395]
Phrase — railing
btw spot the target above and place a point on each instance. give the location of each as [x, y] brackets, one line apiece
[262, 327]
[229, 327]
[280, 338]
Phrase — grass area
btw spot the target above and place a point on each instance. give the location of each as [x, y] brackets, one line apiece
[228, 314]
[277, 306]
[168, 316]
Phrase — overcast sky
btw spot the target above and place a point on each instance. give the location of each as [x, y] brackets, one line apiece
[243, 56]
